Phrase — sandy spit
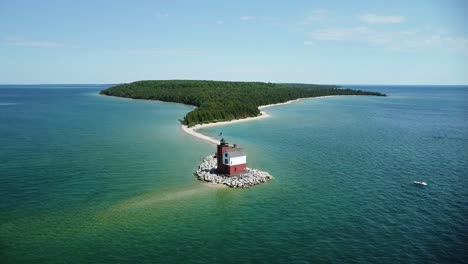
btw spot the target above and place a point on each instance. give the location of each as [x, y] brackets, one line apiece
[193, 130]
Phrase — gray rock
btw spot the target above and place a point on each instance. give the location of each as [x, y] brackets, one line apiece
[207, 172]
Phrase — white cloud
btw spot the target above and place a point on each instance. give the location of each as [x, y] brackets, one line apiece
[317, 16]
[377, 19]
[248, 18]
[309, 43]
[340, 33]
[166, 51]
[403, 40]
[255, 19]
[41, 44]
[162, 14]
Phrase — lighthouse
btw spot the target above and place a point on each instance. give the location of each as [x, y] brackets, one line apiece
[231, 160]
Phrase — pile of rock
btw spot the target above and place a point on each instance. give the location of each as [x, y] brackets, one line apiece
[207, 172]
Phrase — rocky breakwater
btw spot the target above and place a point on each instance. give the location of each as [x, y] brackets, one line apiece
[207, 172]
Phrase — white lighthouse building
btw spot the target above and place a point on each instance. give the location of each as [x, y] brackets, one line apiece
[231, 160]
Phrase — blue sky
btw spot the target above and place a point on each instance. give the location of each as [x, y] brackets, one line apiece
[342, 42]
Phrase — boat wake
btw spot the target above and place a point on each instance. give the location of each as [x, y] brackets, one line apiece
[421, 183]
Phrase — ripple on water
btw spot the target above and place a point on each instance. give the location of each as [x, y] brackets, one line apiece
[7, 103]
[114, 183]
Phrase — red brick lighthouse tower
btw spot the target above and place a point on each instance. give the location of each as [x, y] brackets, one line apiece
[231, 160]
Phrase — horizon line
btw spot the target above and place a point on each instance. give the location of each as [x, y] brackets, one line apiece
[339, 84]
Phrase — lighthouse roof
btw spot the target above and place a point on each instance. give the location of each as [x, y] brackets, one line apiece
[235, 152]
[223, 142]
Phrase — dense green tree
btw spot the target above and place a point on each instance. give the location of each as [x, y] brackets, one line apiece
[221, 101]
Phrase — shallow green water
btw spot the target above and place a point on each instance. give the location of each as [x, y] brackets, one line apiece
[87, 178]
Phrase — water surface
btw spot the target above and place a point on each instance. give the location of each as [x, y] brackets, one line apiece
[88, 178]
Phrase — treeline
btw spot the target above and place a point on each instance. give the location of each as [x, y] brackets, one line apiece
[221, 101]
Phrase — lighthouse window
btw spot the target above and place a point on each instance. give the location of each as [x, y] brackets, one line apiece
[225, 155]
[225, 161]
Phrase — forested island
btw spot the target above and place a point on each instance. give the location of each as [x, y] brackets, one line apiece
[223, 101]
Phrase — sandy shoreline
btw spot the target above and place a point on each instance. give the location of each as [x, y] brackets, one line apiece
[193, 130]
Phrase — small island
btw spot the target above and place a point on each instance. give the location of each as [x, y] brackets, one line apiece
[218, 101]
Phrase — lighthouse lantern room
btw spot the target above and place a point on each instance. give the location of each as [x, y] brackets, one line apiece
[231, 160]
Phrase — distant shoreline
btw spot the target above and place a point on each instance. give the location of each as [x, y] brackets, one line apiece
[193, 130]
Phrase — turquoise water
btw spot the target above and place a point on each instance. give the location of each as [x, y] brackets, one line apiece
[88, 178]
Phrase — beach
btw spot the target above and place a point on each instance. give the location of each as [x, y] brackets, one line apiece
[193, 130]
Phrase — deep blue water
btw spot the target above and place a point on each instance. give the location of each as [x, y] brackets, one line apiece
[88, 178]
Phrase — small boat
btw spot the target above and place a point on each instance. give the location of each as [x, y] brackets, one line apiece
[420, 183]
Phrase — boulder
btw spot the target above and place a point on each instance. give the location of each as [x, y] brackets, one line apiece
[207, 172]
